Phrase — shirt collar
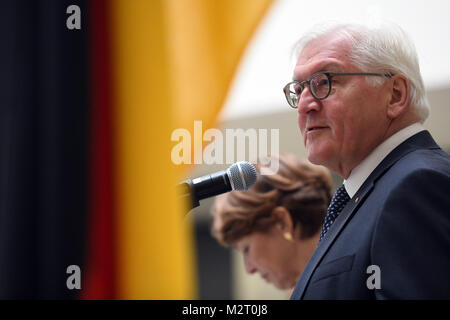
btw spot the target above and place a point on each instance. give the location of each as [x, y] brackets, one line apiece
[360, 173]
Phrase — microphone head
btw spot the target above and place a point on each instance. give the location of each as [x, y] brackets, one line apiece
[242, 175]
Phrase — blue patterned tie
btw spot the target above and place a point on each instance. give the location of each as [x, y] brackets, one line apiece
[338, 202]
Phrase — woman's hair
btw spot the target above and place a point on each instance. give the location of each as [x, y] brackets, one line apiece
[302, 188]
[384, 48]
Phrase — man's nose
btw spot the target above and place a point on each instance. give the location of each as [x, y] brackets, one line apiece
[249, 266]
[307, 102]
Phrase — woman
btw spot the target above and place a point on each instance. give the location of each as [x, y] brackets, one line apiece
[277, 223]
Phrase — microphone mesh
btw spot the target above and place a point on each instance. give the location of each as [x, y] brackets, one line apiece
[242, 175]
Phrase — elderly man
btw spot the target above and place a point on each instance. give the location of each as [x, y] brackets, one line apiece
[361, 104]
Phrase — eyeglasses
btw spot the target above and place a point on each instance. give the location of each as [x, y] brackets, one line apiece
[319, 84]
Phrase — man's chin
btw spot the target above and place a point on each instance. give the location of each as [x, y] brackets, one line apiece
[315, 158]
[319, 154]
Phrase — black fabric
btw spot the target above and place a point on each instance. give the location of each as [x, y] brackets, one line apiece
[44, 134]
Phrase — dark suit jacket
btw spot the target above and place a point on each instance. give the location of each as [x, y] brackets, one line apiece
[399, 220]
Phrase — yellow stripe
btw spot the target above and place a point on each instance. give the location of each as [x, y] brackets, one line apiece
[207, 39]
[155, 258]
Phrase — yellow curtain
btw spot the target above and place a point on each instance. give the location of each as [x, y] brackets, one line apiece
[173, 61]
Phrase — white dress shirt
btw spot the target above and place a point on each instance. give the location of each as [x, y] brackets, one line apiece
[362, 171]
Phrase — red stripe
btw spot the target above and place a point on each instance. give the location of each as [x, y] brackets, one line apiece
[99, 276]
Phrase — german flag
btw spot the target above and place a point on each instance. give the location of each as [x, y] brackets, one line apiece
[91, 92]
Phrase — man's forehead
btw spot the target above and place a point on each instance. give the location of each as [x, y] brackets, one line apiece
[333, 44]
[302, 72]
[332, 66]
[329, 54]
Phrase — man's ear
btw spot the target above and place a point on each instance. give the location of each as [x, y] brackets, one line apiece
[284, 220]
[399, 96]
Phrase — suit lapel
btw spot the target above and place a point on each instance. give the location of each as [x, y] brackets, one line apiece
[420, 140]
[345, 215]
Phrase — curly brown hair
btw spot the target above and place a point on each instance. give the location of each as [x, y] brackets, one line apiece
[302, 188]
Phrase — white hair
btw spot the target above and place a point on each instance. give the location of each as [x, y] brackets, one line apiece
[384, 49]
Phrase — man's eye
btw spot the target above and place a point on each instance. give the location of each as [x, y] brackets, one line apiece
[297, 89]
[320, 80]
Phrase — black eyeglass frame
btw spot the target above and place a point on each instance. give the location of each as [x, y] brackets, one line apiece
[329, 75]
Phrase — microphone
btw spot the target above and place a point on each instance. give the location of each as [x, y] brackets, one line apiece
[239, 176]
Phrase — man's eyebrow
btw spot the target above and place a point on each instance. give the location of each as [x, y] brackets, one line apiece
[331, 67]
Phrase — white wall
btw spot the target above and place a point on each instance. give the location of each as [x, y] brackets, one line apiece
[267, 66]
